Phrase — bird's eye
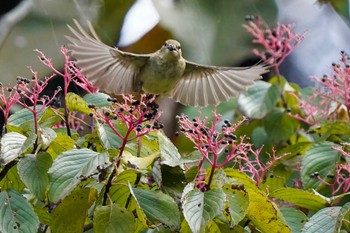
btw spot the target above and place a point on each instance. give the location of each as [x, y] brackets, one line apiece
[178, 47]
[165, 44]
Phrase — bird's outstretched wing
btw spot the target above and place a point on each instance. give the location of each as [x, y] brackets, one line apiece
[107, 68]
[209, 85]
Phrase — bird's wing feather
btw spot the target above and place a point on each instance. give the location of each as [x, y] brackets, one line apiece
[209, 85]
[107, 68]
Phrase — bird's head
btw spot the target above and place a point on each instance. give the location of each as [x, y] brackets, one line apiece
[172, 48]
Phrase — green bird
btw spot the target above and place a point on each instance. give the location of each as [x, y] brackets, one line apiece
[164, 72]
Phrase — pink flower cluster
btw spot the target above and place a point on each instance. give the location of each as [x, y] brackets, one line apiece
[315, 108]
[70, 73]
[333, 95]
[218, 140]
[340, 181]
[337, 85]
[277, 43]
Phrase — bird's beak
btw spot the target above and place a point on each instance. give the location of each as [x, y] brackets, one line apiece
[171, 47]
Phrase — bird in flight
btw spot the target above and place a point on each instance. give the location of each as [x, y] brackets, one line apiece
[164, 72]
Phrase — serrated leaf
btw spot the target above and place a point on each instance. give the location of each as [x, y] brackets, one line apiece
[33, 171]
[108, 138]
[286, 126]
[44, 216]
[76, 204]
[199, 208]
[325, 220]
[344, 217]
[12, 180]
[260, 137]
[294, 218]
[238, 203]
[144, 146]
[47, 135]
[320, 158]
[158, 207]
[119, 192]
[264, 215]
[238, 178]
[61, 143]
[76, 103]
[98, 99]
[113, 219]
[69, 167]
[139, 162]
[173, 180]
[49, 118]
[258, 100]
[11, 144]
[23, 117]
[169, 153]
[16, 214]
[300, 198]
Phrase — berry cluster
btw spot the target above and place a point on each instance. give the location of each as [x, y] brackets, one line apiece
[140, 116]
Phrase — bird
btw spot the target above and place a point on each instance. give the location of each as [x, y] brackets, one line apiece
[164, 72]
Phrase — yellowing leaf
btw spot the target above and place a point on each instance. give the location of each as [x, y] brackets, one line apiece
[264, 215]
[76, 103]
[139, 162]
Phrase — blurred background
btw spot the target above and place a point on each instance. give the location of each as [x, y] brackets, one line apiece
[211, 32]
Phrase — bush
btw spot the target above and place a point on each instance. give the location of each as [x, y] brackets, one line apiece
[101, 164]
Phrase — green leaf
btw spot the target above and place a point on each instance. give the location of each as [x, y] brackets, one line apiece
[23, 117]
[61, 143]
[44, 216]
[119, 192]
[69, 167]
[70, 215]
[139, 162]
[325, 220]
[344, 217]
[258, 100]
[333, 127]
[239, 178]
[169, 153]
[11, 147]
[47, 135]
[33, 171]
[76, 103]
[16, 214]
[98, 99]
[173, 180]
[238, 202]
[113, 219]
[341, 6]
[49, 117]
[199, 208]
[300, 198]
[294, 218]
[12, 180]
[287, 125]
[264, 215]
[320, 158]
[108, 137]
[158, 207]
[144, 146]
[260, 137]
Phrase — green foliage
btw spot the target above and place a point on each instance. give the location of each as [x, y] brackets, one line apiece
[67, 176]
[104, 165]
